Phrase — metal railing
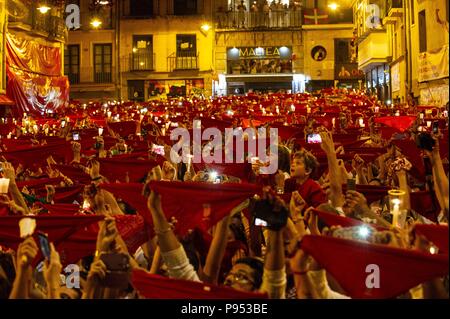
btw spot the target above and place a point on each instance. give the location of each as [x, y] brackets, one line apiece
[138, 62]
[32, 20]
[252, 20]
[90, 75]
[183, 61]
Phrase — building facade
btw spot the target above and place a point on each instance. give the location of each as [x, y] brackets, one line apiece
[281, 45]
[150, 49]
[32, 48]
[403, 49]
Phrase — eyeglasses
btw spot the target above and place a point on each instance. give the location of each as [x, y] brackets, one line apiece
[239, 278]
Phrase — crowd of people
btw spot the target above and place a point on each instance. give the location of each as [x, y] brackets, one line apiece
[92, 204]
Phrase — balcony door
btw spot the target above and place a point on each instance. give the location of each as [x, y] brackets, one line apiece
[142, 55]
[103, 63]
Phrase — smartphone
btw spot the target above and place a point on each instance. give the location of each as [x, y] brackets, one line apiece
[76, 136]
[63, 123]
[44, 244]
[425, 141]
[158, 149]
[314, 139]
[435, 127]
[351, 184]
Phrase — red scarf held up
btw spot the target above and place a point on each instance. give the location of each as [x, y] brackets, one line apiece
[116, 169]
[185, 201]
[400, 123]
[352, 264]
[336, 220]
[157, 287]
[437, 234]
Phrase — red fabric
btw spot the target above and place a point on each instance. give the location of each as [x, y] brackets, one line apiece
[83, 243]
[58, 228]
[336, 220]
[37, 155]
[184, 201]
[38, 183]
[123, 128]
[310, 191]
[240, 170]
[400, 123]
[62, 209]
[426, 204]
[157, 287]
[116, 169]
[131, 193]
[437, 234]
[400, 269]
[77, 175]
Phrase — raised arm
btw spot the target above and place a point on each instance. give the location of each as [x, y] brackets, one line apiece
[8, 172]
[336, 196]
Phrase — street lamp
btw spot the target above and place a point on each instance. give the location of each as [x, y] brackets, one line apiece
[96, 23]
[43, 8]
[333, 6]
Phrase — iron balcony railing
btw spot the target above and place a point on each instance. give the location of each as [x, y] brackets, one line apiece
[104, 75]
[253, 20]
[183, 61]
[139, 61]
[30, 19]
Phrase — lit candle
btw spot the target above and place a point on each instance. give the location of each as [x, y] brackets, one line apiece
[377, 109]
[333, 121]
[4, 184]
[395, 212]
[100, 131]
[293, 108]
[428, 123]
[109, 113]
[308, 110]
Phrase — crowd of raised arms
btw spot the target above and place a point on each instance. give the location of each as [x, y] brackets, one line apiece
[92, 205]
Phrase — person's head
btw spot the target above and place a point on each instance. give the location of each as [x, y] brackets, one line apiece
[7, 274]
[246, 274]
[303, 165]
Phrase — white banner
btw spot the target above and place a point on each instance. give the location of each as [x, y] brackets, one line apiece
[433, 66]
[395, 77]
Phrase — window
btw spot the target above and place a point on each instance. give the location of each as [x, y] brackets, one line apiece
[72, 63]
[136, 90]
[102, 63]
[186, 45]
[141, 8]
[422, 31]
[184, 7]
[142, 55]
[413, 13]
[342, 51]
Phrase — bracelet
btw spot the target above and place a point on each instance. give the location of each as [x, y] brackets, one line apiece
[164, 231]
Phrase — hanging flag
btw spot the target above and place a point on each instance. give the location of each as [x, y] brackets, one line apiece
[315, 16]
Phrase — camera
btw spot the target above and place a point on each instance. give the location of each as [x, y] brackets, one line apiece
[425, 141]
[314, 139]
[265, 214]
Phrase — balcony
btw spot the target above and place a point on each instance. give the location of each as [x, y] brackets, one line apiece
[31, 20]
[182, 62]
[138, 62]
[373, 49]
[394, 9]
[259, 20]
[87, 75]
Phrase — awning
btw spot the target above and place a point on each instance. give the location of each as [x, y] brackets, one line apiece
[5, 100]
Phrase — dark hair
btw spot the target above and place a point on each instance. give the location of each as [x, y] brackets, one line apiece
[284, 159]
[257, 265]
[6, 263]
[309, 159]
